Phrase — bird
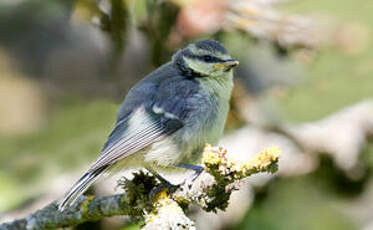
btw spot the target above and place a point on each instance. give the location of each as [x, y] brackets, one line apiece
[167, 118]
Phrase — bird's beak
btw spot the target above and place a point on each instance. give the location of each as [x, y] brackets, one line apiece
[227, 65]
[231, 63]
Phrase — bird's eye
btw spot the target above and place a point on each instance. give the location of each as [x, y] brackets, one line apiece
[207, 58]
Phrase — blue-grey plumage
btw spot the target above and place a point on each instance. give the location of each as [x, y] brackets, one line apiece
[168, 117]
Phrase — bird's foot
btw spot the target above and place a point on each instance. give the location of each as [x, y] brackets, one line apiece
[164, 184]
[197, 171]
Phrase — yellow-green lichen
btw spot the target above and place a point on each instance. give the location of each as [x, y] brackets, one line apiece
[163, 204]
[226, 171]
[84, 205]
[217, 163]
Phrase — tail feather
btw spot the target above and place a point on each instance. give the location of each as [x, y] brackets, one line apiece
[80, 187]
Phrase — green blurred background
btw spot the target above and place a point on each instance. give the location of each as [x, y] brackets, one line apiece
[66, 65]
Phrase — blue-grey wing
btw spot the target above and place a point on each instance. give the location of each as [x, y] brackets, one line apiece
[144, 93]
[135, 133]
[141, 95]
[152, 111]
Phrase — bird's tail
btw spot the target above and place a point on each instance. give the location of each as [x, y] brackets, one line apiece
[80, 187]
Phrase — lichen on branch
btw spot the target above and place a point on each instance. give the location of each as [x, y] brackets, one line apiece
[212, 194]
[221, 167]
[211, 191]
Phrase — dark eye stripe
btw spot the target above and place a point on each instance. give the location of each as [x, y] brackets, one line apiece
[203, 58]
[210, 59]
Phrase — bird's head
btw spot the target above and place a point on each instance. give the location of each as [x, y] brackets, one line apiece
[205, 58]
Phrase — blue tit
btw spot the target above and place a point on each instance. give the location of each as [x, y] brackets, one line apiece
[167, 118]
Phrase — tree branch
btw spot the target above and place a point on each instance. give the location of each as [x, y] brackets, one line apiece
[210, 191]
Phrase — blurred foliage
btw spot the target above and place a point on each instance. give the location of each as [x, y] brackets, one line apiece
[340, 75]
[72, 137]
[294, 204]
[158, 25]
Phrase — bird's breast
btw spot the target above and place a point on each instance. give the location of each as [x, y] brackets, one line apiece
[207, 112]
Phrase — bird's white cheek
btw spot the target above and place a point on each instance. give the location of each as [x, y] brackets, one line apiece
[163, 153]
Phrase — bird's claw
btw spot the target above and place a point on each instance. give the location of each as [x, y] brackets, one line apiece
[190, 180]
